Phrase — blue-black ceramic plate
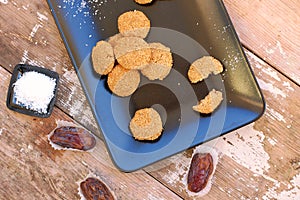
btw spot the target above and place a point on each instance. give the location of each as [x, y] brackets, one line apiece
[191, 29]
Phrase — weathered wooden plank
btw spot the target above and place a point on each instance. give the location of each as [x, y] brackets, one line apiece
[33, 38]
[271, 170]
[270, 29]
[258, 161]
[32, 169]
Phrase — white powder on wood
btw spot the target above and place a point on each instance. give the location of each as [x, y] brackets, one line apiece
[34, 91]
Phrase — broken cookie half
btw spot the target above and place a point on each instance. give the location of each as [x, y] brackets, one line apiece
[201, 68]
[209, 103]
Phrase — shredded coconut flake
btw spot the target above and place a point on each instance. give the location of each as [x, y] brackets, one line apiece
[34, 91]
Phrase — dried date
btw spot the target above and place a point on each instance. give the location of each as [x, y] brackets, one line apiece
[94, 189]
[200, 170]
[73, 137]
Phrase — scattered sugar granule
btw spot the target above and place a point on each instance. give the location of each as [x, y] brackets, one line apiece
[34, 91]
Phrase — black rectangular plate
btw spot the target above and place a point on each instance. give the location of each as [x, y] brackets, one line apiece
[191, 29]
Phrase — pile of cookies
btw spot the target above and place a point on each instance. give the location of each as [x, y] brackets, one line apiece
[126, 55]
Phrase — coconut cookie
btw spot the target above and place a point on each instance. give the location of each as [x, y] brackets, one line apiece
[103, 58]
[132, 52]
[123, 82]
[160, 64]
[112, 40]
[209, 103]
[143, 1]
[203, 67]
[146, 124]
[134, 23]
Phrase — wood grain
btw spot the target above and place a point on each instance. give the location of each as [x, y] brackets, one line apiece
[32, 169]
[35, 40]
[270, 29]
[252, 159]
[259, 161]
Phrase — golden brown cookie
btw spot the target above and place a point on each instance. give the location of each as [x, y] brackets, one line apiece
[160, 64]
[123, 82]
[103, 58]
[146, 124]
[132, 52]
[112, 40]
[209, 103]
[203, 67]
[134, 23]
[143, 1]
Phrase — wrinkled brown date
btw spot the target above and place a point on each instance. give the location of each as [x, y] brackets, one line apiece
[73, 137]
[200, 170]
[94, 189]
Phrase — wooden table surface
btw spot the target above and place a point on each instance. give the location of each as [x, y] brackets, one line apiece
[258, 161]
